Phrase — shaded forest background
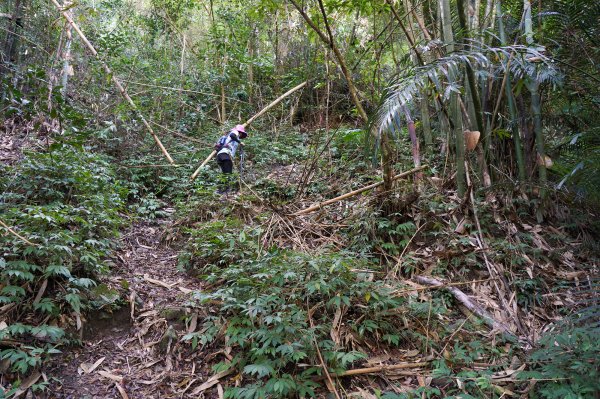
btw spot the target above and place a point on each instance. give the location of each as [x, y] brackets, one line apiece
[498, 101]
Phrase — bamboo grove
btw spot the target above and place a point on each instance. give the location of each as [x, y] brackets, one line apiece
[485, 72]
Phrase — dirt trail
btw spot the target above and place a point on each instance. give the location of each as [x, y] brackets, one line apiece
[135, 352]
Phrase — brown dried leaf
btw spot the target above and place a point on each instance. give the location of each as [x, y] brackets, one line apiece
[110, 375]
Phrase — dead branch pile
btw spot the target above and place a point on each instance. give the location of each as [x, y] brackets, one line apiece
[283, 231]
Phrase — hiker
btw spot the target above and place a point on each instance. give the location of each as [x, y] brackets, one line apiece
[226, 148]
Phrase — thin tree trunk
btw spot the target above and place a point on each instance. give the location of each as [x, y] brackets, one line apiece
[455, 110]
[511, 103]
[11, 43]
[416, 153]
[446, 19]
[328, 39]
[444, 117]
[251, 50]
[426, 123]
[223, 115]
[66, 70]
[536, 106]
[528, 22]
[116, 81]
[474, 96]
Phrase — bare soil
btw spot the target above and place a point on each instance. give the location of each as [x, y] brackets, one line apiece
[135, 351]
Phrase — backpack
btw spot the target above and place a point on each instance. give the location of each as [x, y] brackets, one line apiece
[223, 141]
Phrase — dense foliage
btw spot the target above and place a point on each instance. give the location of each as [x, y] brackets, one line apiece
[499, 98]
[68, 203]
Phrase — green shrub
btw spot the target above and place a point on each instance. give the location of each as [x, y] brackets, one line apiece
[266, 305]
[67, 203]
[566, 362]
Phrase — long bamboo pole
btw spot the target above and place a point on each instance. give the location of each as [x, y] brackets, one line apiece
[249, 121]
[356, 192]
[118, 84]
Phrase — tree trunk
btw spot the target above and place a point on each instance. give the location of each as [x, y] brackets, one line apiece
[67, 69]
[528, 22]
[475, 101]
[11, 44]
[426, 123]
[251, 50]
[416, 153]
[446, 19]
[455, 110]
[511, 104]
[328, 39]
[536, 107]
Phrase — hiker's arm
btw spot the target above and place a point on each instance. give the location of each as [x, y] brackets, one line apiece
[234, 137]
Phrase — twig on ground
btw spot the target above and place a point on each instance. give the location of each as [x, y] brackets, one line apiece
[469, 304]
[356, 192]
[379, 369]
[11, 231]
[323, 365]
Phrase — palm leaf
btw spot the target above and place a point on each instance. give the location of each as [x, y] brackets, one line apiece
[408, 86]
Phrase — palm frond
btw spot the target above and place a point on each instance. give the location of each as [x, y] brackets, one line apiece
[444, 73]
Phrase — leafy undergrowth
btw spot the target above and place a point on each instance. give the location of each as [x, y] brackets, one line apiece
[66, 203]
[274, 309]
[290, 296]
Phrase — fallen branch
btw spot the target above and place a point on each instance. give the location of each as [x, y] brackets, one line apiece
[118, 84]
[356, 192]
[379, 369]
[11, 231]
[323, 365]
[158, 282]
[444, 285]
[249, 121]
[468, 303]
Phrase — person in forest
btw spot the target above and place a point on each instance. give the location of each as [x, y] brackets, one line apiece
[226, 148]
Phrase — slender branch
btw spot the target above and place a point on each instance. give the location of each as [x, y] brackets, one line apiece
[249, 121]
[323, 365]
[117, 83]
[356, 192]
[11, 231]
[379, 369]
[468, 303]
[338, 55]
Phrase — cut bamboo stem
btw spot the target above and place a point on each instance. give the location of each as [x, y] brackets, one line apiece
[249, 121]
[118, 84]
[356, 192]
[468, 303]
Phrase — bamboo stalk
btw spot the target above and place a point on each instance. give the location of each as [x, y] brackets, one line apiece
[274, 103]
[468, 303]
[356, 192]
[249, 121]
[379, 369]
[118, 84]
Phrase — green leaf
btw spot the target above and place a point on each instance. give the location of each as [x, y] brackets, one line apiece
[259, 369]
[57, 270]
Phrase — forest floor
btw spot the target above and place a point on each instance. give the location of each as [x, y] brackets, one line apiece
[118, 357]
